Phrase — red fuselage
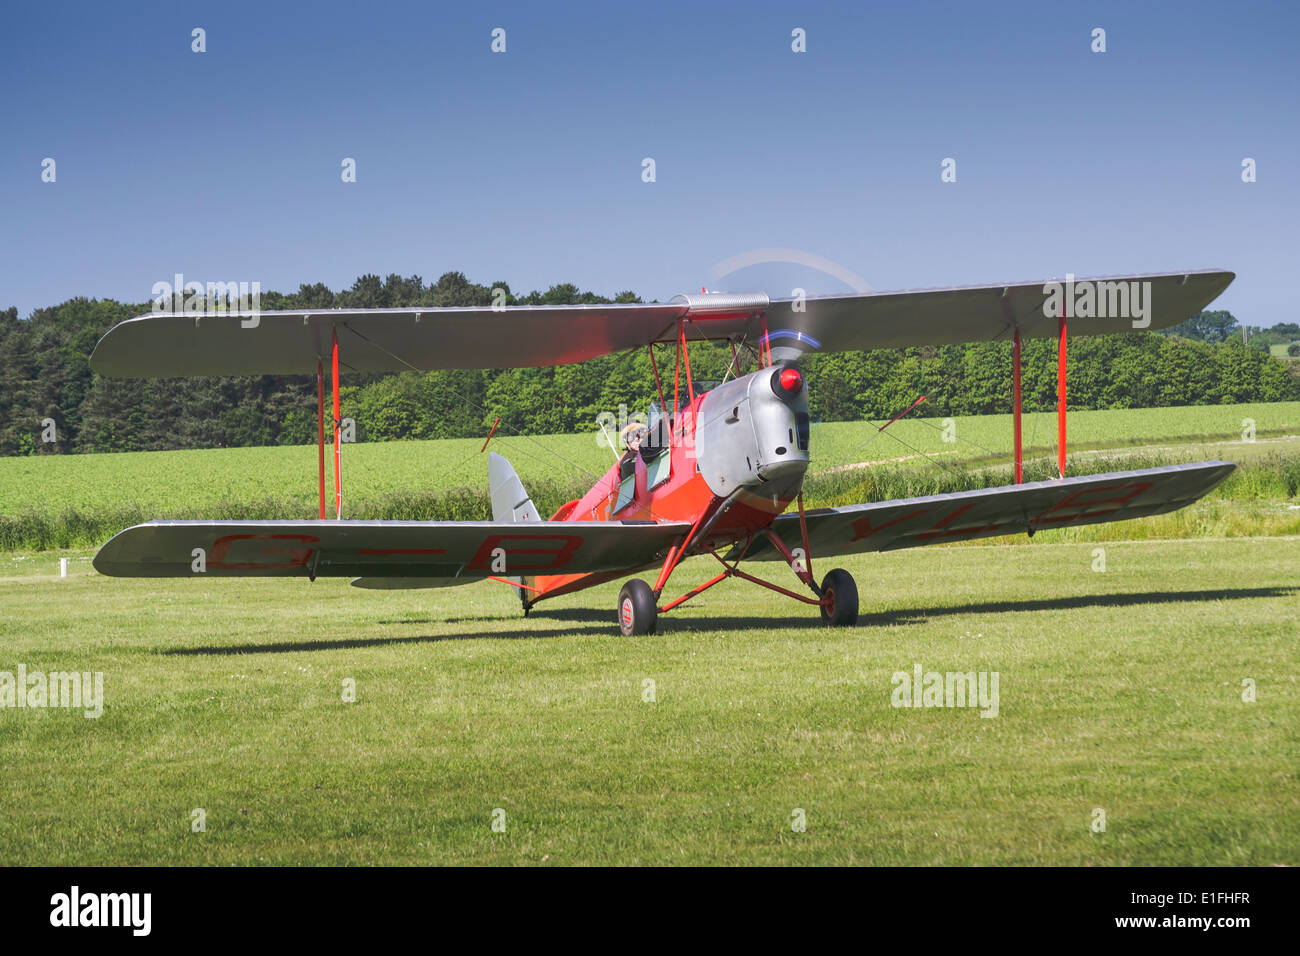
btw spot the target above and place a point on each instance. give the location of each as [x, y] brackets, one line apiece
[680, 493]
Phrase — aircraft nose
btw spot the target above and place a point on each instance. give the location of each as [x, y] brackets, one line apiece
[779, 469]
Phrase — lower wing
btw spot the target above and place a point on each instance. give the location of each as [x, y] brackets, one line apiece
[424, 553]
[1011, 509]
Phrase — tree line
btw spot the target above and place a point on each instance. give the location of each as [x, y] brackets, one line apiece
[45, 379]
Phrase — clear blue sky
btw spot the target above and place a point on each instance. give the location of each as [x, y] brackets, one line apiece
[526, 166]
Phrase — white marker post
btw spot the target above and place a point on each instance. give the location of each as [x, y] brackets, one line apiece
[63, 567]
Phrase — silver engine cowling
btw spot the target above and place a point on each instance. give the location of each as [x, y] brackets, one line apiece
[753, 432]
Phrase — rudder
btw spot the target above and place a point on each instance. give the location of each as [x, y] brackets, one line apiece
[509, 500]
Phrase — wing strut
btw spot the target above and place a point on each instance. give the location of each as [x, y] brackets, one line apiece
[1015, 417]
[320, 433]
[686, 358]
[1060, 395]
[658, 384]
[677, 383]
[338, 460]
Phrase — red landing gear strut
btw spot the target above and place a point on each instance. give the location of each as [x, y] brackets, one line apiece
[837, 596]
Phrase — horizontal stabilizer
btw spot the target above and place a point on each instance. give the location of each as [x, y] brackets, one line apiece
[413, 584]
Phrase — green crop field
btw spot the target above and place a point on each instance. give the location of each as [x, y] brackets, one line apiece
[1119, 691]
[78, 501]
[174, 482]
[990, 436]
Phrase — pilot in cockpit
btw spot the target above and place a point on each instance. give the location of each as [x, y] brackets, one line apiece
[634, 434]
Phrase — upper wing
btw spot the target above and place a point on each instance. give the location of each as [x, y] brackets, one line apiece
[385, 340]
[374, 340]
[399, 549]
[988, 313]
[1011, 509]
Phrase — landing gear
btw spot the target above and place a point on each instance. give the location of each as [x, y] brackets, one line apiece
[638, 608]
[839, 599]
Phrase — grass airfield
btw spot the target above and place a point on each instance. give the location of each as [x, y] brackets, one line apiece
[1119, 690]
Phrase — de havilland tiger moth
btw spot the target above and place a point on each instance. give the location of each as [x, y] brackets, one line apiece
[713, 474]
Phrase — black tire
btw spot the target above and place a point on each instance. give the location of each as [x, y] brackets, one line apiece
[841, 599]
[637, 608]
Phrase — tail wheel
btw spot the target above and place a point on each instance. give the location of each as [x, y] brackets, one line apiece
[839, 599]
[637, 608]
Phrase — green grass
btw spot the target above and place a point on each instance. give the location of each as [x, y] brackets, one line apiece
[1119, 690]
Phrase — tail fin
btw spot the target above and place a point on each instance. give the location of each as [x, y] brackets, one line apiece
[510, 503]
[509, 500]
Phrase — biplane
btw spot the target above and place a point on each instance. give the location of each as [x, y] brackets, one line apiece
[714, 473]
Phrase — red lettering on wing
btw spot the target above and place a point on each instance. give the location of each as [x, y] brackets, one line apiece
[1081, 500]
[220, 547]
[933, 533]
[560, 557]
[862, 526]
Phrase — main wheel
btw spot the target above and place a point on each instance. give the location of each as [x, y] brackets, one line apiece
[840, 594]
[637, 608]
